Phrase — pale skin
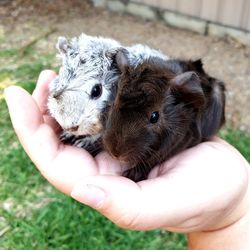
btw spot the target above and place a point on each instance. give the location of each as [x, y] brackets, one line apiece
[204, 191]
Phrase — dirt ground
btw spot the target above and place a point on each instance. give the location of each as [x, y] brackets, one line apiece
[21, 21]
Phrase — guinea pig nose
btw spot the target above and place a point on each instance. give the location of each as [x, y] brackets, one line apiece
[115, 154]
[112, 150]
[57, 94]
[73, 129]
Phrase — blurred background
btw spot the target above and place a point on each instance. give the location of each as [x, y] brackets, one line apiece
[33, 215]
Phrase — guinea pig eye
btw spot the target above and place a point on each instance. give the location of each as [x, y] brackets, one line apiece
[154, 117]
[82, 61]
[96, 91]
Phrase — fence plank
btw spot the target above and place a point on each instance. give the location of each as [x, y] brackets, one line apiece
[155, 3]
[190, 7]
[209, 9]
[168, 4]
[165, 4]
[230, 12]
[245, 20]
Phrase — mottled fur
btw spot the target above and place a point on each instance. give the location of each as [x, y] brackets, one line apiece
[189, 102]
[86, 62]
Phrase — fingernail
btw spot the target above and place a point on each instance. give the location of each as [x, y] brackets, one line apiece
[89, 194]
[7, 90]
[42, 75]
[46, 74]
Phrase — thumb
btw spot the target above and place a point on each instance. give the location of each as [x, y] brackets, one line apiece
[138, 206]
[115, 197]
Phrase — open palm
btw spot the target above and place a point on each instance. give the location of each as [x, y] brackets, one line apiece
[202, 188]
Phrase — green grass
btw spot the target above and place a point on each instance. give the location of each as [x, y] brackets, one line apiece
[65, 224]
[8, 53]
[239, 139]
[33, 215]
[42, 218]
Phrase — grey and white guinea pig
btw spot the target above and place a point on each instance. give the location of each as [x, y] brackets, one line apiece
[161, 108]
[86, 84]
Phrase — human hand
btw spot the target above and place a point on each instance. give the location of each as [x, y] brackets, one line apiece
[202, 188]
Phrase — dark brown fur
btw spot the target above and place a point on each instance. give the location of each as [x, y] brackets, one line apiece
[190, 104]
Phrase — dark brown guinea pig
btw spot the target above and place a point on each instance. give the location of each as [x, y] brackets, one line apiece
[161, 108]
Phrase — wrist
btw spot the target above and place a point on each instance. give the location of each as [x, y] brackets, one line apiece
[230, 234]
[234, 236]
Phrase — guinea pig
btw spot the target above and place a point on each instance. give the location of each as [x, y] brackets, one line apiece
[86, 85]
[161, 108]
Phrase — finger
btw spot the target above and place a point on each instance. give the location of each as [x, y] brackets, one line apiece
[40, 95]
[24, 112]
[120, 205]
[107, 165]
[62, 166]
[130, 205]
[184, 200]
[41, 91]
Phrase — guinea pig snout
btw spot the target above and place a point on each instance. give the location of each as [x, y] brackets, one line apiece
[57, 94]
[57, 91]
[73, 129]
[112, 149]
[116, 148]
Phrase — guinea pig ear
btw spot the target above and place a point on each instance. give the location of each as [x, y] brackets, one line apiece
[111, 53]
[187, 88]
[121, 59]
[198, 65]
[62, 45]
